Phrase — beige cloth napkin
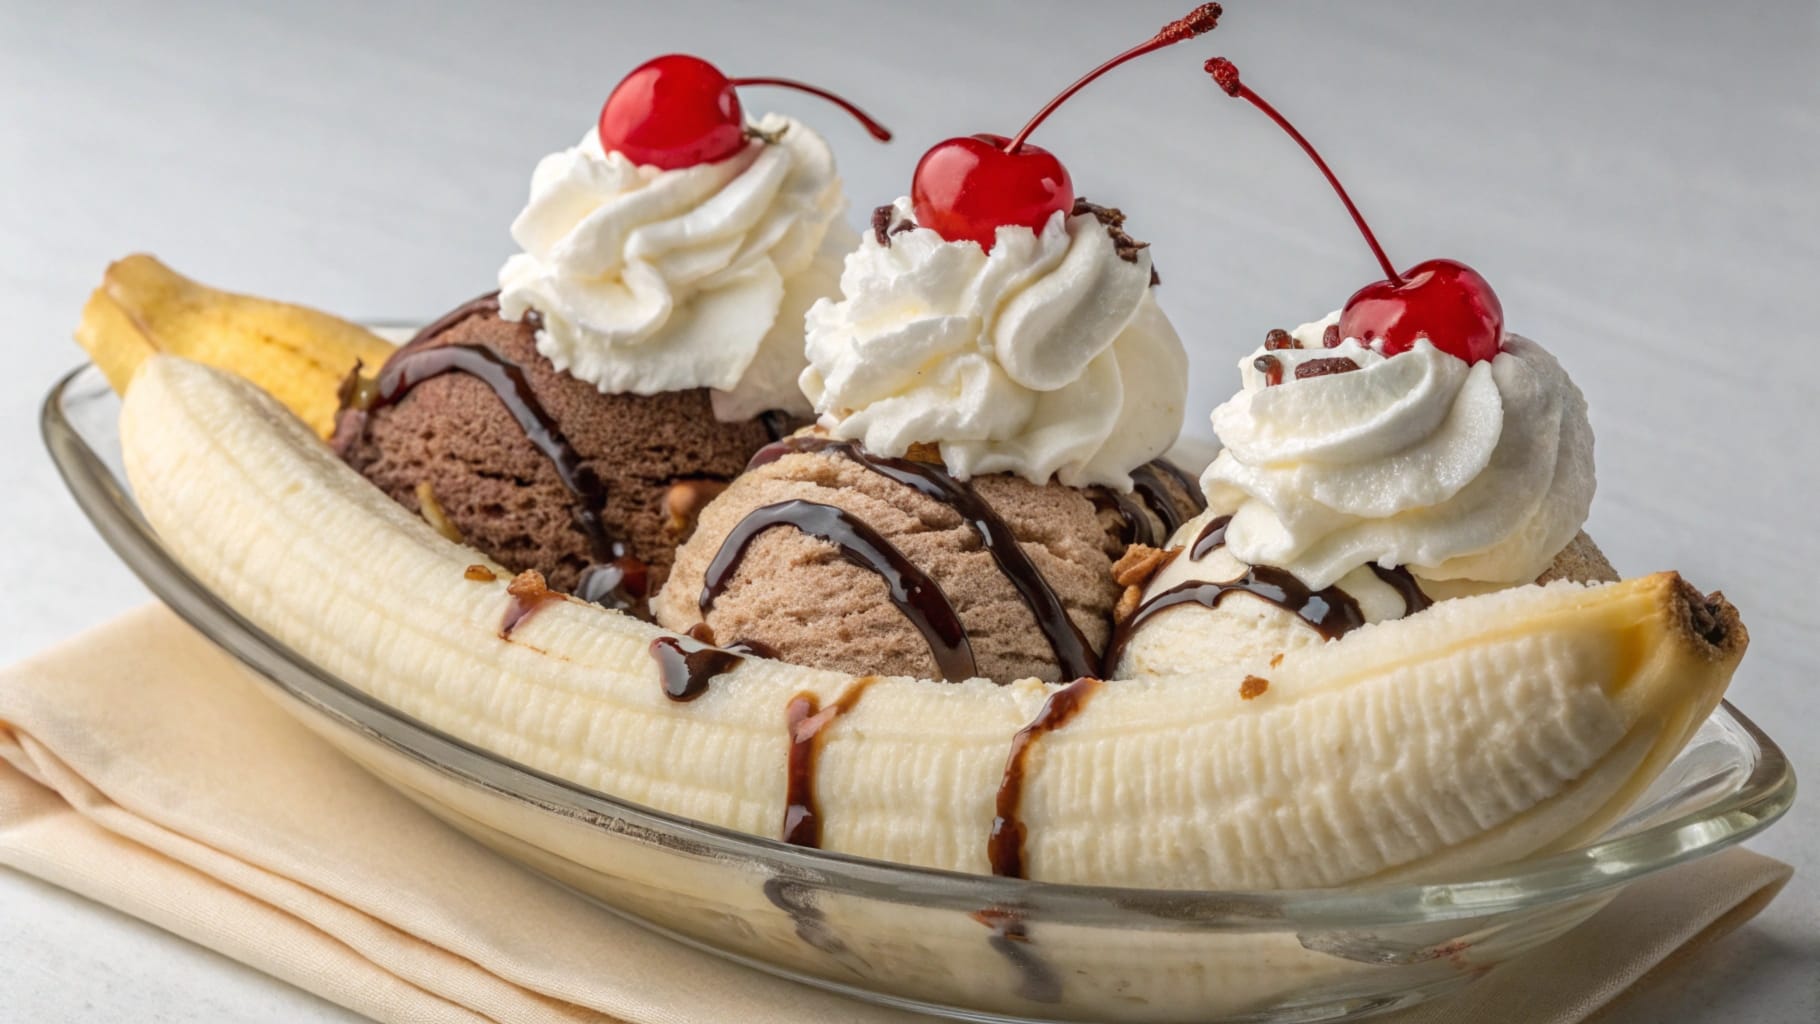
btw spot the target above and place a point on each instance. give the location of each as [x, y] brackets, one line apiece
[140, 768]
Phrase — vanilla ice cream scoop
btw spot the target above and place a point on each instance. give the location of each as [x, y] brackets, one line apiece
[1477, 471]
[1356, 487]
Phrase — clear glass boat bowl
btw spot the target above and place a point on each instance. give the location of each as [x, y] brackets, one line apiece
[964, 946]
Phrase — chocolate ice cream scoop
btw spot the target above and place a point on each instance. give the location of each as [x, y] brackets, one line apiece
[469, 424]
[835, 557]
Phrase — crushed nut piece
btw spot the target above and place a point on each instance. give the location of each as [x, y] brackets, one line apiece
[1128, 604]
[530, 587]
[1252, 687]
[1140, 563]
[921, 452]
[682, 505]
[479, 574]
[432, 512]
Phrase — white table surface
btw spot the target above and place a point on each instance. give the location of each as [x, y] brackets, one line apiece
[1640, 179]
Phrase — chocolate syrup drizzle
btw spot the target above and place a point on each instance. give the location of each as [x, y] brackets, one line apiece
[1149, 494]
[1139, 527]
[408, 369]
[688, 665]
[1005, 844]
[911, 589]
[1147, 483]
[1399, 579]
[1211, 538]
[1330, 611]
[807, 721]
[1072, 652]
[411, 366]
[776, 423]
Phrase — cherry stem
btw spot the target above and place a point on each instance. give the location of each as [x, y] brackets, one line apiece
[1199, 21]
[1226, 74]
[876, 130]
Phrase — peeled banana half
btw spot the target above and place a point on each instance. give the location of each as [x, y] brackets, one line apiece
[1480, 731]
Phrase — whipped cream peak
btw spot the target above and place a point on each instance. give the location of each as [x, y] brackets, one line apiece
[650, 280]
[1479, 471]
[1046, 357]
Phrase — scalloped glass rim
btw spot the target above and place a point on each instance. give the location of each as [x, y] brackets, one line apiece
[77, 422]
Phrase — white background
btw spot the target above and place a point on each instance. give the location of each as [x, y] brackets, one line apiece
[1640, 180]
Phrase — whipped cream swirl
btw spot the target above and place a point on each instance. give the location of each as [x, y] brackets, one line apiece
[1457, 472]
[651, 280]
[1046, 357]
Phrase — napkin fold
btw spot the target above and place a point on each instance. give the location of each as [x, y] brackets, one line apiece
[142, 769]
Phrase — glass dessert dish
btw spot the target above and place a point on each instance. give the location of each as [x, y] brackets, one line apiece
[963, 946]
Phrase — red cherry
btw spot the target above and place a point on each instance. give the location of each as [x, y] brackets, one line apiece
[1443, 300]
[673, 111]
[965, 189]
[678, 111]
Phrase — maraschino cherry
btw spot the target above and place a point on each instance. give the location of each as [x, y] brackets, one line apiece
[678, 111]
[965, 189]
[1443, 300]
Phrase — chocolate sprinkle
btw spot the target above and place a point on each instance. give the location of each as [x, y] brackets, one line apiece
[1114, 220]
[1272, 369]
[881, 223]
[1324, 367]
